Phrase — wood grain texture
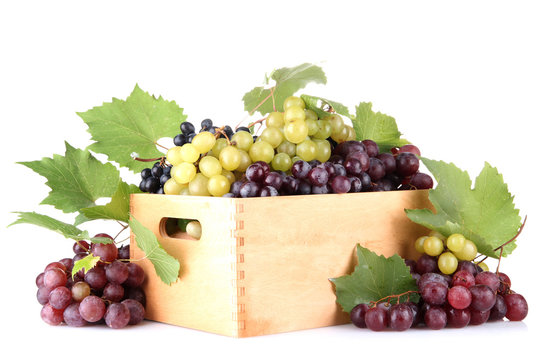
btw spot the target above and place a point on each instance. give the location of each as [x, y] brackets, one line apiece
[262, 264]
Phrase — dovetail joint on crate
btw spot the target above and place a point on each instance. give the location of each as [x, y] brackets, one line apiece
[238, 274]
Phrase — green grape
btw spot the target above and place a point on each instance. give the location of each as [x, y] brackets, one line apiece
[287, 147]
[294, 114]
[352, 133]
[229, 175]
[296, 158]
[325, 130]
[272, 135]
[433, 246]
[282, 162]
[204, 141]
[194, 229]
[245, 161]
[183, 173]
[210, 166]
[221, 143]
[336, 122]
[437, 234]
[310, 114]
[261, 151]
[173, 155]
[419, 244]
[199, 185]
[447, 263]
[293, 101]
[230, 157]
[189, 153]
[171, 187]
[218, 185]
[340, 136]
[324, 150]
[185, 191]
[483, 266]
[455, 242]
[296, 132]
[243, 140]
[275, 119]
[312, 126]
[469, 251]
[307, 150]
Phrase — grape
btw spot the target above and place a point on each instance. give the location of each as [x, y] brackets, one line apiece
[42, 295]
[459, 297]
[307, 150]
[72, 317]
[463, 278]
[323, 189]
[356, 184]
[106, 252]
[488, 278]
[415, 312]
[433, 246]
[400, 317]
[199, 185]
[80, 290]
[68, 264]
[116, 272]
[388, 161]
[81, 247]
[479, 317]
[51, 315]
[123, 252]
[274, 180]
[249, 189]
[324, 150]
[183, 173]
[419, 244]
[206, 124]
[426, 264]
[230, 157]
[435, 318]
[157, 171]
[468, 252]
[136, 311]
[243, 140]
[117, 316]
[347, 148]
[324, 130]
[268, 191]
[218, 185]
[376, 169]
[146, 173]
[468, 266]
[187, 128]
[261, 151]
[455, 242]
[290, 185]
[353, 166]
[407, 164]
[281, 162]
[516, 307]
[318, 176]
[203, 142]
[362, 157]
[171, 187]
[447, 263]
[498, 311]
[366, 182]
[434, 293]
[272, 135]
[242, 128]
[113, 292]
[504, 283]
[483, 297]
[293, 101]
[92, 308]
[358, 314]
[60, 297]
[54, 278]
[55, 265]
[421, 181]
[458, 318]
[300, 169]
[135, 294]
[430, 277]
[264, 165]
[180, 140]
[210, 166]
[340, 184]
[287, 147]
[383, 185]
[245, 161]
[96, 278]
[409, 148]
[235, 188]
[275, 119]
[372, 149]
[296, 131]
[194, 229]
[376, 319]
[39, 280]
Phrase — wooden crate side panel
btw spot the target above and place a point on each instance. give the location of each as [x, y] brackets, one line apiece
[293, 245]
[204, 297]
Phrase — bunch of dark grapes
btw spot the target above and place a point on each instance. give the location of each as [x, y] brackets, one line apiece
[110, 292]
[470, 296]
[355, 166]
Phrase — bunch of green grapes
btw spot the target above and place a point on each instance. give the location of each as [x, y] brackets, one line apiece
[449, 250]
[208, 166]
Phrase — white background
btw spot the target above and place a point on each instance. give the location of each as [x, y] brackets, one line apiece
[460, 77]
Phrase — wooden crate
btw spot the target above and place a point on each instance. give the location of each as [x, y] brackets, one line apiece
[262, 264]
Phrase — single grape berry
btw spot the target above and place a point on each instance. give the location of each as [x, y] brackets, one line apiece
[516, 307]
[400, 317]
[358, 314]
[376, 319]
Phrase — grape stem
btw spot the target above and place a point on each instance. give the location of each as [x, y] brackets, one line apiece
[124, 227]
[221, 131]
[260, 121]
[161, 159]
[271, 95]
[389, 297]
[508, 242]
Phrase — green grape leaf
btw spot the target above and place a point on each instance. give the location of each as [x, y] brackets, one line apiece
[376, 126]
[122, 127]
[287, 82]
[486, 214]
[319, 105]
[116, 209]
[166, 266]
[76, 180]
[67, 230]
[86, 263]
[374, 278]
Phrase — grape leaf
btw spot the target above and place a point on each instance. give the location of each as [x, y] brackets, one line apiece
[287, 82]
[166, 266]
[486, 214]
[76, 180]
[122, 127]
[376, 126]
[318, 105]
[374, 278]
[116, 209]
[67, 230]
[86, 263]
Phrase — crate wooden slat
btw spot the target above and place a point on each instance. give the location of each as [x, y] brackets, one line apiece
[262, 264]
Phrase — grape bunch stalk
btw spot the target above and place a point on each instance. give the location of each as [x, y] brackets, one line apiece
[296, 154]
[110, 292]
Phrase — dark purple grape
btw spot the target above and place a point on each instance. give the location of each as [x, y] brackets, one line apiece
[136, 311]
[372, 148]
[407, 164]
[356, 184]
[54, 278]
[323, 189]
[468, 266]
[146, 173]
[318, 176]
[463, 278]
[358, 314]
[187, 128]
[113, 292]
[479, 317]
[92, 308]
[180, 140]
[384, 185]
[157, 171]
[376, 169]
[389, 162]
[274, 180]
[434, 293]
[366, 182]
[123, 252]
[136, 275]
[483, 297]
[290, 185]
[429, 277]
[336, 159]
[361, 156]
[72, 317]
[340, 184]
[265, 167]
[96, 278]
[235, 187]
[117, 316]
[504, 283]
[415, 311]
[339, 170]
[426, 264]
[330, 169]
[488, 278]
[117, 272]
[206, 124]
[400, 317]
[42, 295]
[411, 264]
[435, 318]
[250, 189]
[352, 166]
[516, 307]
[345, 148]
[421, 181]
[498, 311]
[458, 318]
[135, 294]
[60, 297]
[255, 173]
[163, 179]
[409, 148]
[314, 163]
[304, 187]
[268, 191]
[51, 315]
[151, 184]
[107, 252]
[376, 319]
